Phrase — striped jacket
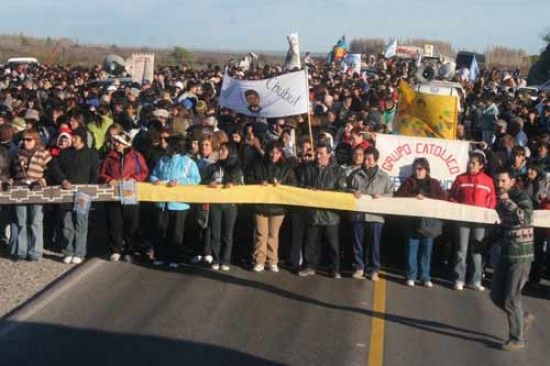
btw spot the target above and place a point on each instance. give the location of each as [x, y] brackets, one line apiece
[24, 173]
[516, 235]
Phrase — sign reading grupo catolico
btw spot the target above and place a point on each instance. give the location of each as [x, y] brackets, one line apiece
[280, 96]
[447, 158]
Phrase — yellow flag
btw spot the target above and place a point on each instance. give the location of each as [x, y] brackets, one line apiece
[425, 115]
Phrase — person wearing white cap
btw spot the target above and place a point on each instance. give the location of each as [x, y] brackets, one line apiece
[122, 163]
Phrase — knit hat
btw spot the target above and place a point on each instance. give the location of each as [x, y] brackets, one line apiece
[66, 135]
[123, 138]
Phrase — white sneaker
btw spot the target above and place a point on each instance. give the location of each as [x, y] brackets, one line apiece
[173, 265]
[77, 260]
[374, 276]
[478, 287]
[258, 268]
[459, 286]
[208, 259]
[428, 284]
[215, 267]
[158, 263]
[196, 259]
[115, 257]
[410, 283]
[274, 268]
[225, 267]
[68, 259]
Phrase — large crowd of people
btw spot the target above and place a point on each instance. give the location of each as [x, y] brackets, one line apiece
[62, 125]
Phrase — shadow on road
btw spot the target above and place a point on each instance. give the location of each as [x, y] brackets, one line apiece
[60, 345]
[426, 325]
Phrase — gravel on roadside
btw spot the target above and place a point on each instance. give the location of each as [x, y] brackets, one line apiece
[21, 280]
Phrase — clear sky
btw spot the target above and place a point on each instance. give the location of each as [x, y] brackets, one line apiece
[262, 25]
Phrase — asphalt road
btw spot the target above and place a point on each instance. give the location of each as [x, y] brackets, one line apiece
[122, 314]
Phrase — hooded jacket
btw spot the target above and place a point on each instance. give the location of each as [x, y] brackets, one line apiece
[176, 167]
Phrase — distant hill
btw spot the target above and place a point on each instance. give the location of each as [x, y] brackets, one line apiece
[67, 51]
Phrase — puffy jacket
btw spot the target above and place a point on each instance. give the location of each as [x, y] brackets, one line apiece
[379, 183]
[128, 165]
[266, 171]
[474, 190]
[177, 167]
[329, 178]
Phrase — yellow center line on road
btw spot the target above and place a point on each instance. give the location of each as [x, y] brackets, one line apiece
[376, 349]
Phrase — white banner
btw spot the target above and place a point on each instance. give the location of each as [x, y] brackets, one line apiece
[281, 96]
[143, 67]
[448, 158]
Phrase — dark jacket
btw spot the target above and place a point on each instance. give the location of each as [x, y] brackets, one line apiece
[266, 171]
[411, 188]
[76, 166]
[329, 178]
[224, 172]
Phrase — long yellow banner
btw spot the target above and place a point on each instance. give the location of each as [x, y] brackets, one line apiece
[285, 195]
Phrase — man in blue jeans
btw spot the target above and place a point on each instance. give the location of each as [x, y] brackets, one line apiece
[76, 165]
[369, 180]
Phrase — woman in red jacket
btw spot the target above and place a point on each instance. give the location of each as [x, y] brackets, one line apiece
[122, 163]
[473, 188]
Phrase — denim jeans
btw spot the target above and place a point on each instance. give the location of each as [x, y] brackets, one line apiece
[75, 233]
[374, 234]
[419, 249]
[30, 230]
[465, 234]
[222, 222]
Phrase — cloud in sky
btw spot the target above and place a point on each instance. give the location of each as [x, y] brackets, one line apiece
[263, 25]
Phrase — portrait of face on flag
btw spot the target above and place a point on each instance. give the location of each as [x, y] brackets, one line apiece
[447, 158]
[280, 96]
[423, 114]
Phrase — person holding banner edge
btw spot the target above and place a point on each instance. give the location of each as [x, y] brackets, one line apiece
[421, 186]
[472, 188]
[372, 181]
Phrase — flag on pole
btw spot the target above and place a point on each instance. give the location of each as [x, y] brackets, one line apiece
[425, 115]
[280, 96]
[474, 70]
[391, 49]
[292, 59]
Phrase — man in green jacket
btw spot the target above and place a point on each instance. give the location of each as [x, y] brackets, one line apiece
[515, 236]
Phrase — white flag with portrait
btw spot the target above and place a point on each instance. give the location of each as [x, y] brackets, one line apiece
[280, 96]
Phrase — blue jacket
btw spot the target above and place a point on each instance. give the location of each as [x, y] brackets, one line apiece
[176, 167]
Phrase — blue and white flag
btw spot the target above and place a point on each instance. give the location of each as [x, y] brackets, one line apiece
[474, 70]
[391, 49]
